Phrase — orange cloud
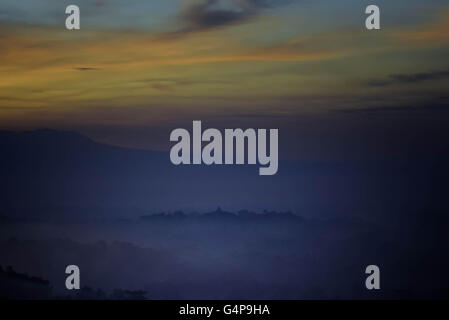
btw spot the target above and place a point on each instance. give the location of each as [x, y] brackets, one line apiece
[162, 87]
[43, 64]
[437, 32]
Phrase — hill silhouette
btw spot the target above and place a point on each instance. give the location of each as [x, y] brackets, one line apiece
[15, 285]
[220, 215]
[48, 173]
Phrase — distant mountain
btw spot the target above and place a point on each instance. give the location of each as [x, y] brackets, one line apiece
[220, 215]
[49, 173]
[46, 171]
[61, 173]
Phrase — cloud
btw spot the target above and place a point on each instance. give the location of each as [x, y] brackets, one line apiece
[162, 87]
[396, 109]
[85, 69]
[436, 32]
[408, 78]
[209, 14]
[430, 105]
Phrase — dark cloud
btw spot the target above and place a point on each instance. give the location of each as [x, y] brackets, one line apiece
[185, 81]
[438, 105]
[162, 87]
[85, 69]
[215, 13]
[100, 3]
[408, 78]
[255, 116]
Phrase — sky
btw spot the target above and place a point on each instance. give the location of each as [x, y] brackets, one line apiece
[138, 69]
[363, 122]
